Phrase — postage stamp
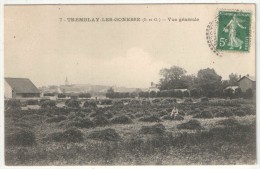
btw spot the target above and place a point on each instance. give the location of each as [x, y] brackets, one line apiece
[233, 31]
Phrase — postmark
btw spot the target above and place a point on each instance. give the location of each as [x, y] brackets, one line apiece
[233, 32]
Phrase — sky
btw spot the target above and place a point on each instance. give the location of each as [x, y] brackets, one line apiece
[40, 47]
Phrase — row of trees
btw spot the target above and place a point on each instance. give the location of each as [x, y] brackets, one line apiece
[206, 83]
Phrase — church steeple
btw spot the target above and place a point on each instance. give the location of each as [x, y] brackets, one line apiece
[66, 81]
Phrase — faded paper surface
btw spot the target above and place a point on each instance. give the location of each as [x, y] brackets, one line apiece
[68, 50]
[35, 35]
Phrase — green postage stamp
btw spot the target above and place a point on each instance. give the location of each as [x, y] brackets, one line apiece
[233, 31]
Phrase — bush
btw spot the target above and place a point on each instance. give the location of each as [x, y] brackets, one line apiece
[71, 135]
[240, 113]
[178, 117]
[167, 117]
[101, 121]
[105, 135]
[90, 103]
[228, 122]
[20, 138]
[204, 99]
[204, 114]
[48, 104]
[191, 125]
[60, 95]
[150, 119]
[56, 119]
[188, 100]
[84, 95]
[121, 120]
[32, 102]
[72, 103]
[83, 123]
[225, 113]
[248, 94]
[106, 102]
[155, 129]
[12, 104]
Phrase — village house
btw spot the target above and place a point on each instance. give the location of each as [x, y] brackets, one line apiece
[247, 82]
[153, 88]
[18, 88]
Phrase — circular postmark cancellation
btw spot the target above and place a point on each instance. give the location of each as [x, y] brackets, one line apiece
[229, 32]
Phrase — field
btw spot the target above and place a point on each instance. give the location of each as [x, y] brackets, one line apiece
[133, 132]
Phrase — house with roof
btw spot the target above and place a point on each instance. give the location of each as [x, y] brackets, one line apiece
[18, 88]
[247, 82]
[153, 88]
[234, 88]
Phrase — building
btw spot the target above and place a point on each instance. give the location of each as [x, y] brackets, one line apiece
[18, 88]
[153, 88]
[234, 88]
[247, 82]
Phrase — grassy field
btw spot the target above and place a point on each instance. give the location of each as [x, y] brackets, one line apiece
[216, 132]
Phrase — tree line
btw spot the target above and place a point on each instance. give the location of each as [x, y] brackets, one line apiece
[205, 83]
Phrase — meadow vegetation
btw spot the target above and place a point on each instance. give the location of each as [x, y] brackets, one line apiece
[131, 132]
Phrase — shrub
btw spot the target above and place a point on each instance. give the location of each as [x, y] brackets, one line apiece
[191, 125]
[90, 103]
[71, 135]
[188, 100]
[203, 114]
[83, 123]
[150, 119]
[228, 122]
[178, 117]
[72, 103]
[60, 95]
[108, 115]
[48, 104]
[84, 95]
[225, 113]
[240, 113]
[106, 102]
[167, 117]
[248, 94]
[20, 138]
[105, 135]
[56, 119]
[155, 129]
[32, 102]
[100, 121]
[121, 120]
[204, 99]
[12, 104]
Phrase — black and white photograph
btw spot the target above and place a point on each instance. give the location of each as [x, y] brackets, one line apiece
[129, 84]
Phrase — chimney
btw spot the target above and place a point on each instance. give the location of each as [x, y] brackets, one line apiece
[239, 76]
[247, 75]
[151, 84]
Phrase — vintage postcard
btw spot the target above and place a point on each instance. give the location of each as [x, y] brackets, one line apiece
[129, 84]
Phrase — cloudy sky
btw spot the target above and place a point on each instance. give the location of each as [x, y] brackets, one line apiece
[40, 47]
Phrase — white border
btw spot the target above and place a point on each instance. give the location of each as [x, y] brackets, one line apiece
[27, 2]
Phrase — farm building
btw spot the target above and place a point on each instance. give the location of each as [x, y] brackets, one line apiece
[17, 88]
[247, 82]
[153, 88]
[234, 88]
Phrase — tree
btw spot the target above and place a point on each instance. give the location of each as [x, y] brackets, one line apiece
[209, 82]
[233, 78]
[229, 93]
[173, 78]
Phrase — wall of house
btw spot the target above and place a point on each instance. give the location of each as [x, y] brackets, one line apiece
[7, 91]
[245, 84]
